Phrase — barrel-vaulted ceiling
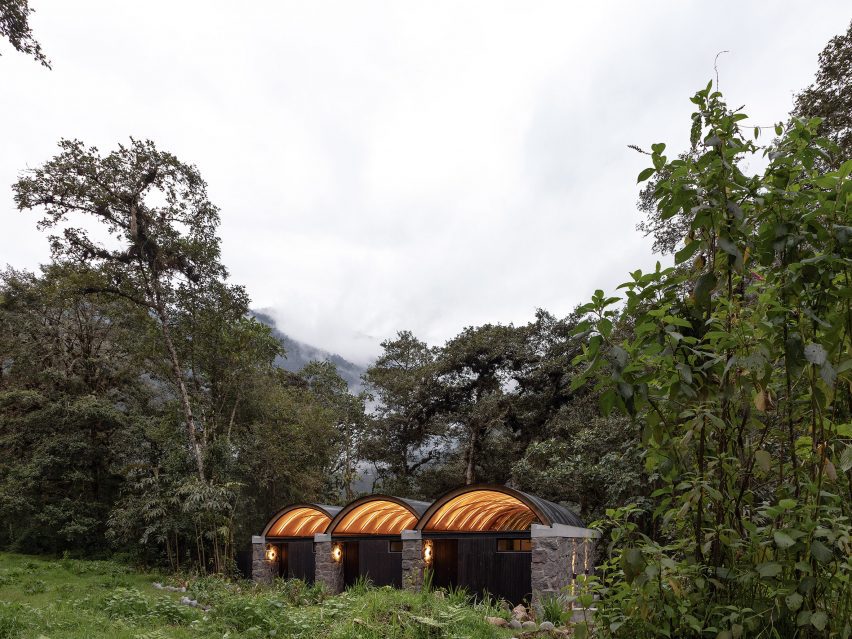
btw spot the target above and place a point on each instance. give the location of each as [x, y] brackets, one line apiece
[469, 509]
[480, 511]
[301, 520]
[375, 517]
[487, 508]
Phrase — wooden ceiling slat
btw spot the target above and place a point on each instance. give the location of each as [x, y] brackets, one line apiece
[481, 511]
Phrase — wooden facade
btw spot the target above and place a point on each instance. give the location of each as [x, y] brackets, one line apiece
[368, 531]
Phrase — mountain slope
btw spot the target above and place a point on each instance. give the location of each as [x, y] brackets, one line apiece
[299, 354]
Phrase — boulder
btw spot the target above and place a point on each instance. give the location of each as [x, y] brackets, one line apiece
[520, 613]
[528, 626]
[515, 624]
[546, 625]
[497, 621]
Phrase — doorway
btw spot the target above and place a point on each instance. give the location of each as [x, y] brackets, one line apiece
[351, 563]
[445, 562]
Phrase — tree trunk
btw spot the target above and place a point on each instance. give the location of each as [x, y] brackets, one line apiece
[472, 449]
[191, 430]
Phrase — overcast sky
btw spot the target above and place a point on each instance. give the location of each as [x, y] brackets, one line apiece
[397, 165]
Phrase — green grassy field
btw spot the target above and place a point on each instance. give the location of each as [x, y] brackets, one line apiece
[73, 599]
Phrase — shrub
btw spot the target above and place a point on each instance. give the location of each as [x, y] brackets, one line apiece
[553, 610]
[126, 603]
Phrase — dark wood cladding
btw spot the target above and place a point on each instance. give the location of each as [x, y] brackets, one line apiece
[474, 563]
[299, 557]
[371, 558]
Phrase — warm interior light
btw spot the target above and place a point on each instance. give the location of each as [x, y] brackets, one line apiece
[271, 553]
[481, 510]
[376, 517]
[303, 521]
[427, 551]
[337, 552]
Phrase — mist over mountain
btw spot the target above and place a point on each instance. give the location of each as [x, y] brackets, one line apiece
[298, 354]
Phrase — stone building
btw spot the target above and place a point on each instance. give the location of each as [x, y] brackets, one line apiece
[482, 537]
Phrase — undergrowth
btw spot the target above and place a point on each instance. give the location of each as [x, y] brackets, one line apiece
[77, 599]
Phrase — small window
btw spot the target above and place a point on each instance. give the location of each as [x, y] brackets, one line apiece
[514, 545]
[395, 546]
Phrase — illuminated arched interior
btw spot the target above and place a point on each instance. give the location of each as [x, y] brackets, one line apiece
[482, 510]
[378, 517]
[303, 521]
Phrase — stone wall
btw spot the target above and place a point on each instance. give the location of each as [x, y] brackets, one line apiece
[326, 570]
[412, 560]
[263, 571]
[551, 565]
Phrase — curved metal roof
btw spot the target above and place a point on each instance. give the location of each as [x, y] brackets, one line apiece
[300, 520]
[377, 515]
[488, 507]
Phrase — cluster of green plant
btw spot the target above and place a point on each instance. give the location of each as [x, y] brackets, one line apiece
[288, 608]
[738, 370]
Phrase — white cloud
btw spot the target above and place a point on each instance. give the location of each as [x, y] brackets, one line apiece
[392, 165]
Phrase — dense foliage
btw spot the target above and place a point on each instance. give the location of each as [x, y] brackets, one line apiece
[738, 370]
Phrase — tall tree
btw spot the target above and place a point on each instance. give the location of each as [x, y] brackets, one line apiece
[162, 231]
[348, 414]
[479, 370]
[71, 388]
[406, 425]
[830, 97]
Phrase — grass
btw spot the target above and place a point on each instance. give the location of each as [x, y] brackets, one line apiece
[76, 599]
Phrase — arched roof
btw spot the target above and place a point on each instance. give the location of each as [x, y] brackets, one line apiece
[485, 507]
[300, 520]
[377, 515]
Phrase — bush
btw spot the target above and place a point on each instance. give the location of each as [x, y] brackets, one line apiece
[172, 612]
[126, 603]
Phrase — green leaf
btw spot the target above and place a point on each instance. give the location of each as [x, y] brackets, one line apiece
[819, 620]
[632, 563]
[815, 354]
[821, 552]
[704, 287]
[794, 601]
[606, 402]
[644, 175]
[763, 459]
[803, 618]
[846, 459]
[782, 539]
[787, 504]
[769, 569]
[687, 252]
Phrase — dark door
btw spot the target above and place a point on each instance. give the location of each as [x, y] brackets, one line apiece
[445, 562]
[300, 560]
[379, 564]
[351, 564]
[502, 574]
[283, 557]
